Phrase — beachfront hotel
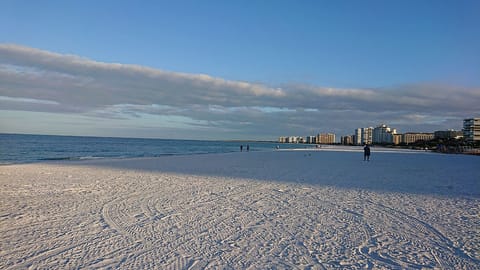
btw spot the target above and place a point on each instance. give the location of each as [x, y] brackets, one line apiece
[383, 134]
[346, 140]
[397, 139]
[448, 134]
[471, 129]
[291, 139]
[411, 137]
[363, 136]
[321, 138]
[326, 138]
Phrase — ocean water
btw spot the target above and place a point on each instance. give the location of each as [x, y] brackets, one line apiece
[17, 148]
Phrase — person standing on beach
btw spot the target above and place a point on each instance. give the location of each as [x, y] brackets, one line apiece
[241, 148]
[366, 153]
[248, 148]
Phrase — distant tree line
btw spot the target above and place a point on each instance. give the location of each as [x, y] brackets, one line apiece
[443, 145]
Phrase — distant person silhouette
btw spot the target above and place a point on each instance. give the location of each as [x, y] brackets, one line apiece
[248, 148]
[366, 153]
[241, 148]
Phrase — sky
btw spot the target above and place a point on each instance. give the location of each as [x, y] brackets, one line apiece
[237, 69]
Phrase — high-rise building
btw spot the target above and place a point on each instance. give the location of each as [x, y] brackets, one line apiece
[363, 136]
[347, 140]
[397, 138]
[357, 136]
[326, 138]
[311, 139]
[383, 134]
[291, 139]
[471, 129]
[367, 135]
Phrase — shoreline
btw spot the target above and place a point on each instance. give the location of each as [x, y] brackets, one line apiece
[334, 148]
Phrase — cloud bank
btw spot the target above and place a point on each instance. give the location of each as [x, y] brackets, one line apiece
[40, 81]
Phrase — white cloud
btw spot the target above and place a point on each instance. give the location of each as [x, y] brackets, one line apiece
[28, 100]
[40, 81]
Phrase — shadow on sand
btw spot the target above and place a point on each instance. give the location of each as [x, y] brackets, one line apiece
[411, 173]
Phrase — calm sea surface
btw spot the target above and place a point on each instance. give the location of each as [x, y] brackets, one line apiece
[16, 148]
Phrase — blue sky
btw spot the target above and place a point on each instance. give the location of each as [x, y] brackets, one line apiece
[337, 65]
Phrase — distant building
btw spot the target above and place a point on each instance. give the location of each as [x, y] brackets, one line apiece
[357, 136]
[363, 136]
[397, 138]
[412, 137]
[448, 134]
[347, 140]
[326, 138]
[290, 139]
[311, 139]
[471, 129]
[383, 134]
[367, 135]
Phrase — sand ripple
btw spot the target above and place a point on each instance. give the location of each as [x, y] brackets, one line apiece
[84, 217]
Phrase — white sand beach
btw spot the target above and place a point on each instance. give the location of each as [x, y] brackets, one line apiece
[259, 210]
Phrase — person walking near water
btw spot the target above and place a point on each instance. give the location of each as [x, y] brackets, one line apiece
[241, 148]
[366, 153]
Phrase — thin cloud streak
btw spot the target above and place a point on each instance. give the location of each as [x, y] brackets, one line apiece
[41, 81]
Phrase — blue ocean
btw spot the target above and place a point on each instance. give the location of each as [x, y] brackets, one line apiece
[19, 148]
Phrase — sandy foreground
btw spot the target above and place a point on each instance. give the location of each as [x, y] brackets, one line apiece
[257, 210]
